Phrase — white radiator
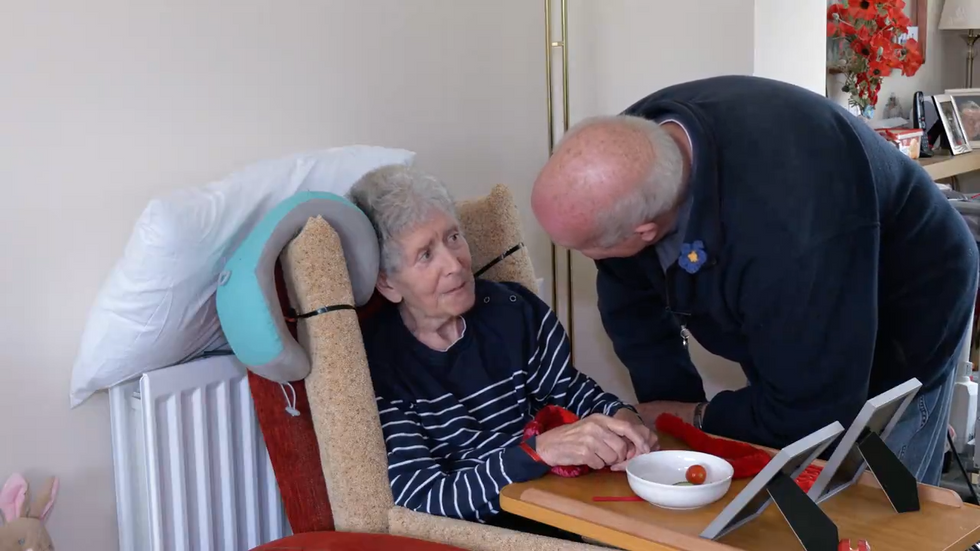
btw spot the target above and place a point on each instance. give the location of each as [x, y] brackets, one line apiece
[191, 468]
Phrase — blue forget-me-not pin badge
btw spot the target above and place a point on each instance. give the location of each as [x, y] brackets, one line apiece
[692, 257]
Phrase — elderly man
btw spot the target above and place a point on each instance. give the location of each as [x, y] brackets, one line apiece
[784, 234]
[970, 115]
[461, 366]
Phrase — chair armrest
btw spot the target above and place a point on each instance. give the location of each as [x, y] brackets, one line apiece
[350, 541]
[471, 535]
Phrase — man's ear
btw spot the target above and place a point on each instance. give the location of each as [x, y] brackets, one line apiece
[648, 231]
[385, 288]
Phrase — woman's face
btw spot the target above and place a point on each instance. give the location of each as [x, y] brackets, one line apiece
[435, 276]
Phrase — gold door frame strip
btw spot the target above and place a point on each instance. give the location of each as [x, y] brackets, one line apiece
[550, 46]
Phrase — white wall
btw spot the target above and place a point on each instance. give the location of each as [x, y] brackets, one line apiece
[106, 103]
[789, 42]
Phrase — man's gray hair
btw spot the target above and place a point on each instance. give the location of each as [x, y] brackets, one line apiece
[656, 195]
[398, 199]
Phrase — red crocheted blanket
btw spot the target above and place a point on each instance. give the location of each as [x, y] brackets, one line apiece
[746, 459]
[548, 418]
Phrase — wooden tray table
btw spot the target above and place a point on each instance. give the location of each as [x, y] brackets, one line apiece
[860, 512]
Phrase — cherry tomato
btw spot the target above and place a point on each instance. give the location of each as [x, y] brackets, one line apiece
[696, 474]
[862, 545]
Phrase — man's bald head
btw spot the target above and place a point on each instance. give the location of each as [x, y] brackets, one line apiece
[607, 176]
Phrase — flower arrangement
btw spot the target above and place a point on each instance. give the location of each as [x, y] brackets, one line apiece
[867, 40]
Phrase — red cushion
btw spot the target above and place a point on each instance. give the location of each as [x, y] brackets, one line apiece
[291, 441]
[347, 541]
[294, 454]
[292, 445]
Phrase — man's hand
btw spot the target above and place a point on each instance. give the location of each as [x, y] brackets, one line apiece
[596, 441]
[651, 437]
[651, 410]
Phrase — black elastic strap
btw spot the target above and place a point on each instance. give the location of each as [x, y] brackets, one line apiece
[294, 316]
[495, 261]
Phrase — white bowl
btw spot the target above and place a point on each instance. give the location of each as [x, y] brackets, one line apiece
[652, 477]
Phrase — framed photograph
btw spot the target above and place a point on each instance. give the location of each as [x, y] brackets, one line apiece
[758, 493]
[879, 415]
[967, 101]
[955, 133]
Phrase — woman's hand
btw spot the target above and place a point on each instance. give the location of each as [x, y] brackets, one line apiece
[651, 437]
[596, 441]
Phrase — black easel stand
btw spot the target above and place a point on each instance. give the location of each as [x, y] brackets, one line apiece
[896, 481]
[938, 132]
[811, 525]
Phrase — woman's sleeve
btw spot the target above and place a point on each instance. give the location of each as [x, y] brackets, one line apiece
[552, 379]
[419, 481]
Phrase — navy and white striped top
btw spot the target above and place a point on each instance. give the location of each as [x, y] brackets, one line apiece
[453, 420]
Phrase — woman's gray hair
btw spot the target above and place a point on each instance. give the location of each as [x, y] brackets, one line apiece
[654, 196]
[397, 199]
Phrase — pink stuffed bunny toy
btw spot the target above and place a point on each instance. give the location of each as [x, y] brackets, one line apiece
[22, 527]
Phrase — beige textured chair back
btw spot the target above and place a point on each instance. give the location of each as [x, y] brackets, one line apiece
[492, 226]
[345, 417]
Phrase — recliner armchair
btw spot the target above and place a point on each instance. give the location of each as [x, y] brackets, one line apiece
[330, 461]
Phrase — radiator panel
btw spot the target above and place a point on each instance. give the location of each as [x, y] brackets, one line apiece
[208, 483]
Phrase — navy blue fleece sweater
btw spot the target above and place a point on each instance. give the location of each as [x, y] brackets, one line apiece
[452, 421]
[835, 268]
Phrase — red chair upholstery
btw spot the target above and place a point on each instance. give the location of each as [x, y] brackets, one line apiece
[346, 541]
[292, 445]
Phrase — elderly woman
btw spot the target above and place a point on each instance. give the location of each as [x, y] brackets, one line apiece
[460, 366]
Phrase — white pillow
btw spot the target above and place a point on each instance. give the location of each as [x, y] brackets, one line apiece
[156, 309]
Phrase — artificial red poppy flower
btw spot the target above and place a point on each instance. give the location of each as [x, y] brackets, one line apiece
[913, 58]
[898, 56]
[861, 46]
[879, 68]
[881, 45]
[895, 60]
[862, 9]
[836, 22]
[900, 21]
[895, 14]
[836, 12]
[870, 30]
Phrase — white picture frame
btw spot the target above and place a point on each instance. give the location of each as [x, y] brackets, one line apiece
[950, 117]
[879, 415]
[967, 102]
[754, 498]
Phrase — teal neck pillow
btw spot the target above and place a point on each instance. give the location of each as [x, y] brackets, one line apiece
[247, 303]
